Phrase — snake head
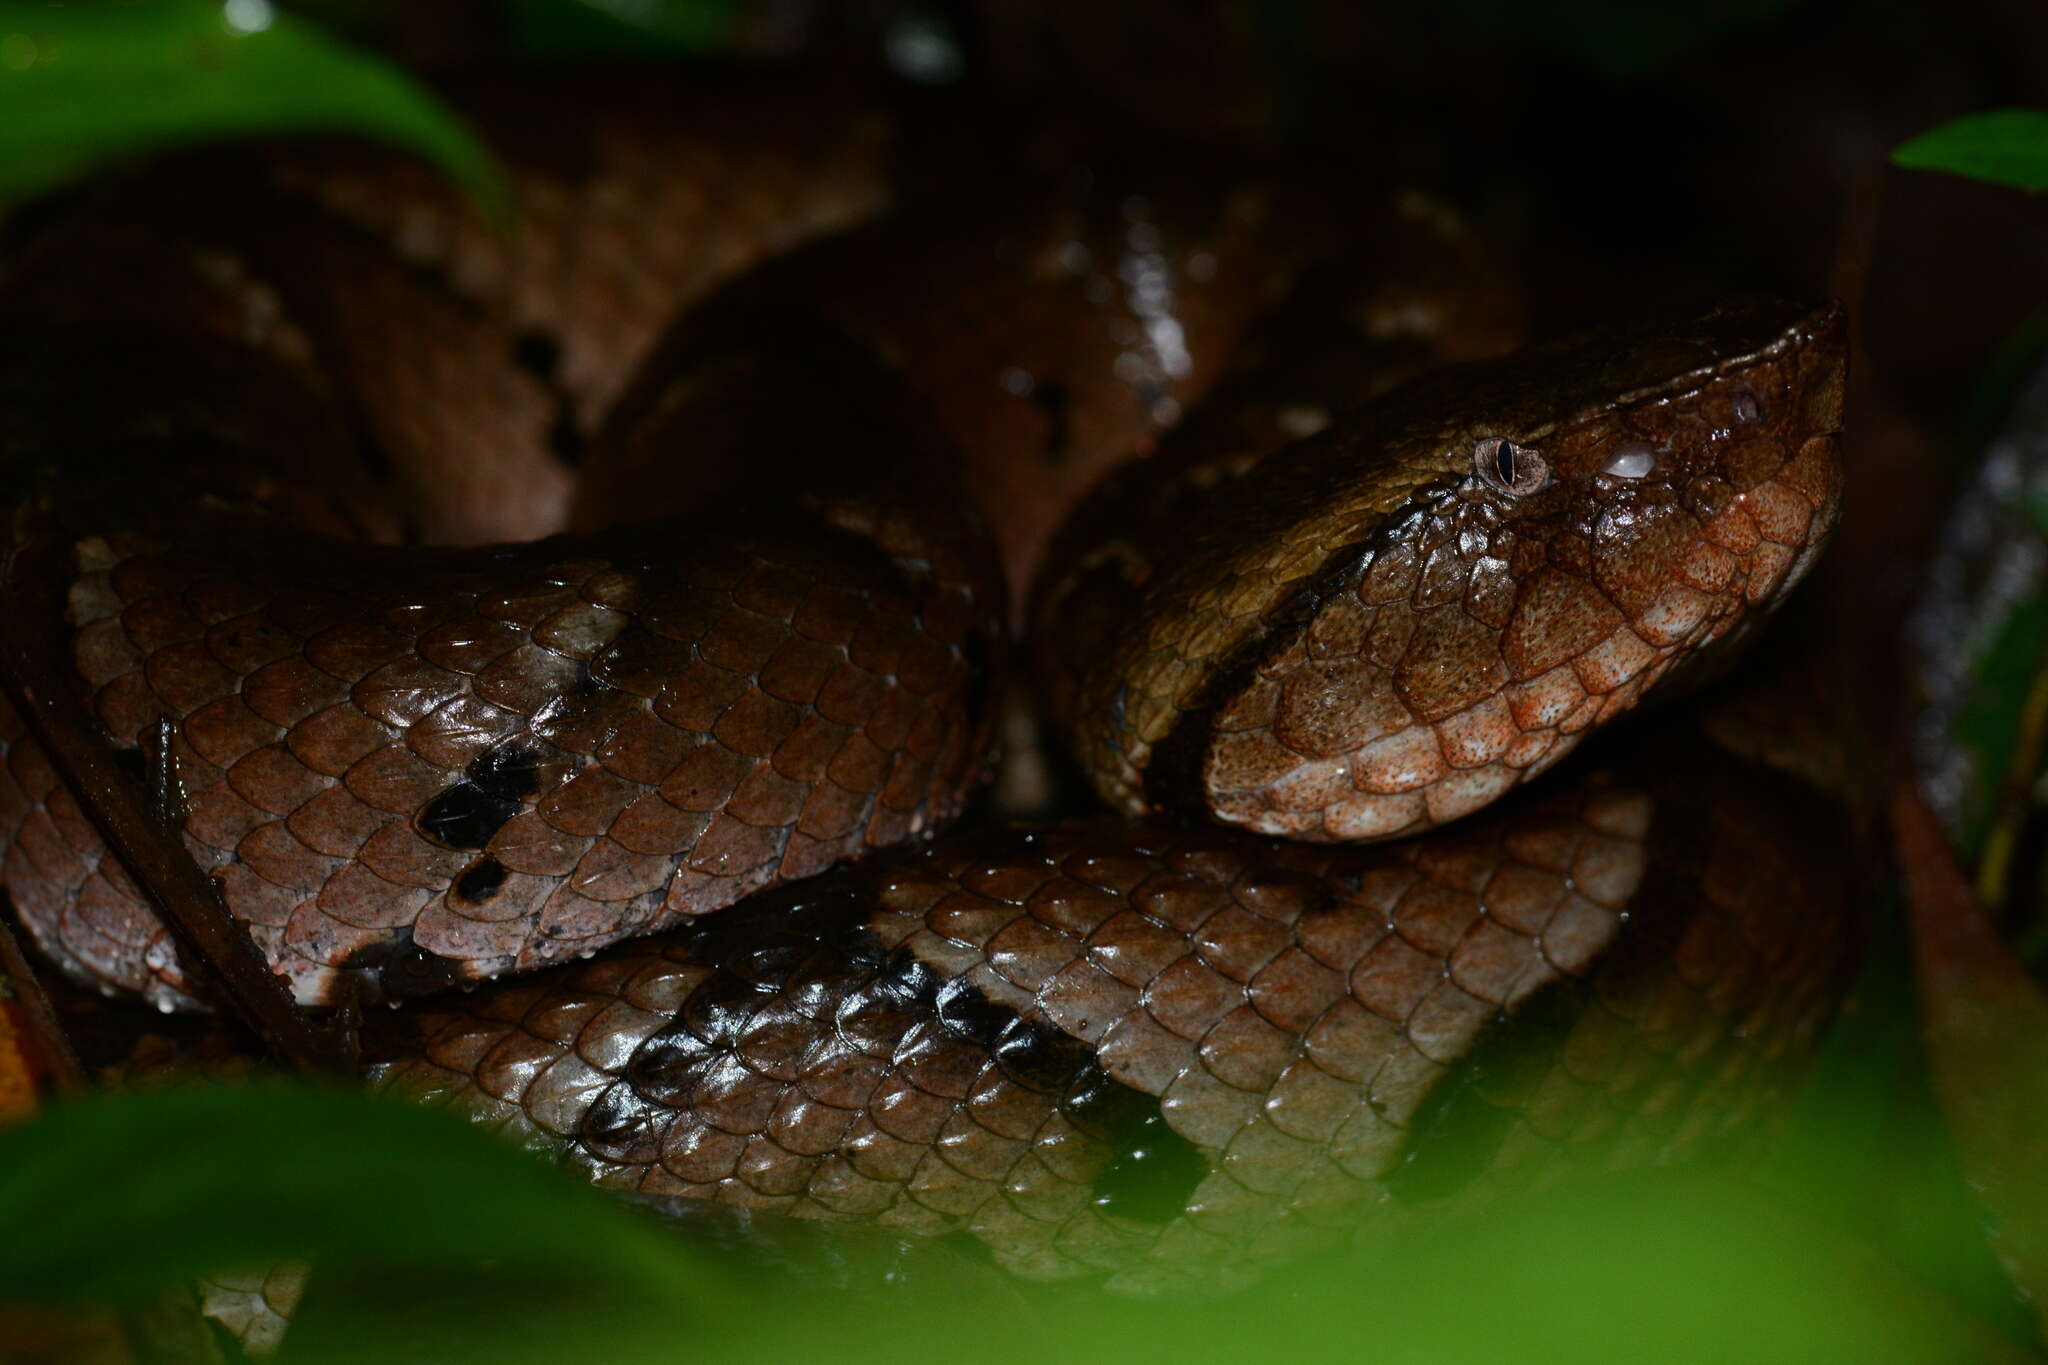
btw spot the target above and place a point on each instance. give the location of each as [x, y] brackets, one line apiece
[1393, 624]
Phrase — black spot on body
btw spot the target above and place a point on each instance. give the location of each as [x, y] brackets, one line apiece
[1152, 1170]
[626, 1125]
[667, 1067]
[402, 970]
[539, 354]
[719, 1009]
[1051, 398]
[1036, 1057]
[480, 880]
[510, 770]
[808, 952]
[905, 983]
[465, 816]
[1469, 1113]
[566, 440]
[969, 1014]
[974, 654]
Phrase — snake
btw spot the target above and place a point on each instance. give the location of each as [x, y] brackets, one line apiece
[584, 638]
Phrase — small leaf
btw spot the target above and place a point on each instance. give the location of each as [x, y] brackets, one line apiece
[2005, 147]
[83, 84]
[1985, 1025]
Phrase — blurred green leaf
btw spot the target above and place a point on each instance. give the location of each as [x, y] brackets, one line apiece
[652, 26]
[1990, 721]
[432, 1242]
[120, 1194]
[82, 84]
[1985, 1027]
[2005, 147]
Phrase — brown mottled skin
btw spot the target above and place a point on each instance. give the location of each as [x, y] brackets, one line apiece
[415, 757]
[1175, 1054]
[414, 766]
[1373, 638]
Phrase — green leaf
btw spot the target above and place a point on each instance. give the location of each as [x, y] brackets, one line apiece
[119, 1195]
[431, 1242]
[84, 84]
[2005, 147]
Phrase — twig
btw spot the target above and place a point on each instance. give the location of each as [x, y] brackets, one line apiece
[156, 858]
[46, 1031]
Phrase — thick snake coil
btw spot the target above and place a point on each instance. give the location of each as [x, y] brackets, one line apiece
[255, 409]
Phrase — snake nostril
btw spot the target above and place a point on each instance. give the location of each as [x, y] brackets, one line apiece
[1748, 411]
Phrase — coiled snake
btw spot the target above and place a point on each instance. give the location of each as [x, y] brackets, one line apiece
[257, 405]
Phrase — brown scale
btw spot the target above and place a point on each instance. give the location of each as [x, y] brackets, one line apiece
[1155, 1053]
[1175, 1055]
[1118, 295]
[1051, 339]
[1060, 313]
[1437, 598]
[422, 766]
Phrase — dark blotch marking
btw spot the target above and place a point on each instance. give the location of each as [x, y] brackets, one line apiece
[666, 1068]
[1038, 1058]
[905, 983]
[539, 354]
[567, 441]
[968, 1013]
[470, 812]
[1460, 1127]
[510, 770]
[807, 953]
[465, 816]
[481, 880]
[1152, 1170]
[1050, 397]
[402, 970]
[625, 1125]
[974, 654]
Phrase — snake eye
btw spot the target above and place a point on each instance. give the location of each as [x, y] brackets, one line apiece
[1747, 410]
[1515, 470]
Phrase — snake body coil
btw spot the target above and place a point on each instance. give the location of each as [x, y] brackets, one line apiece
[768, 637]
